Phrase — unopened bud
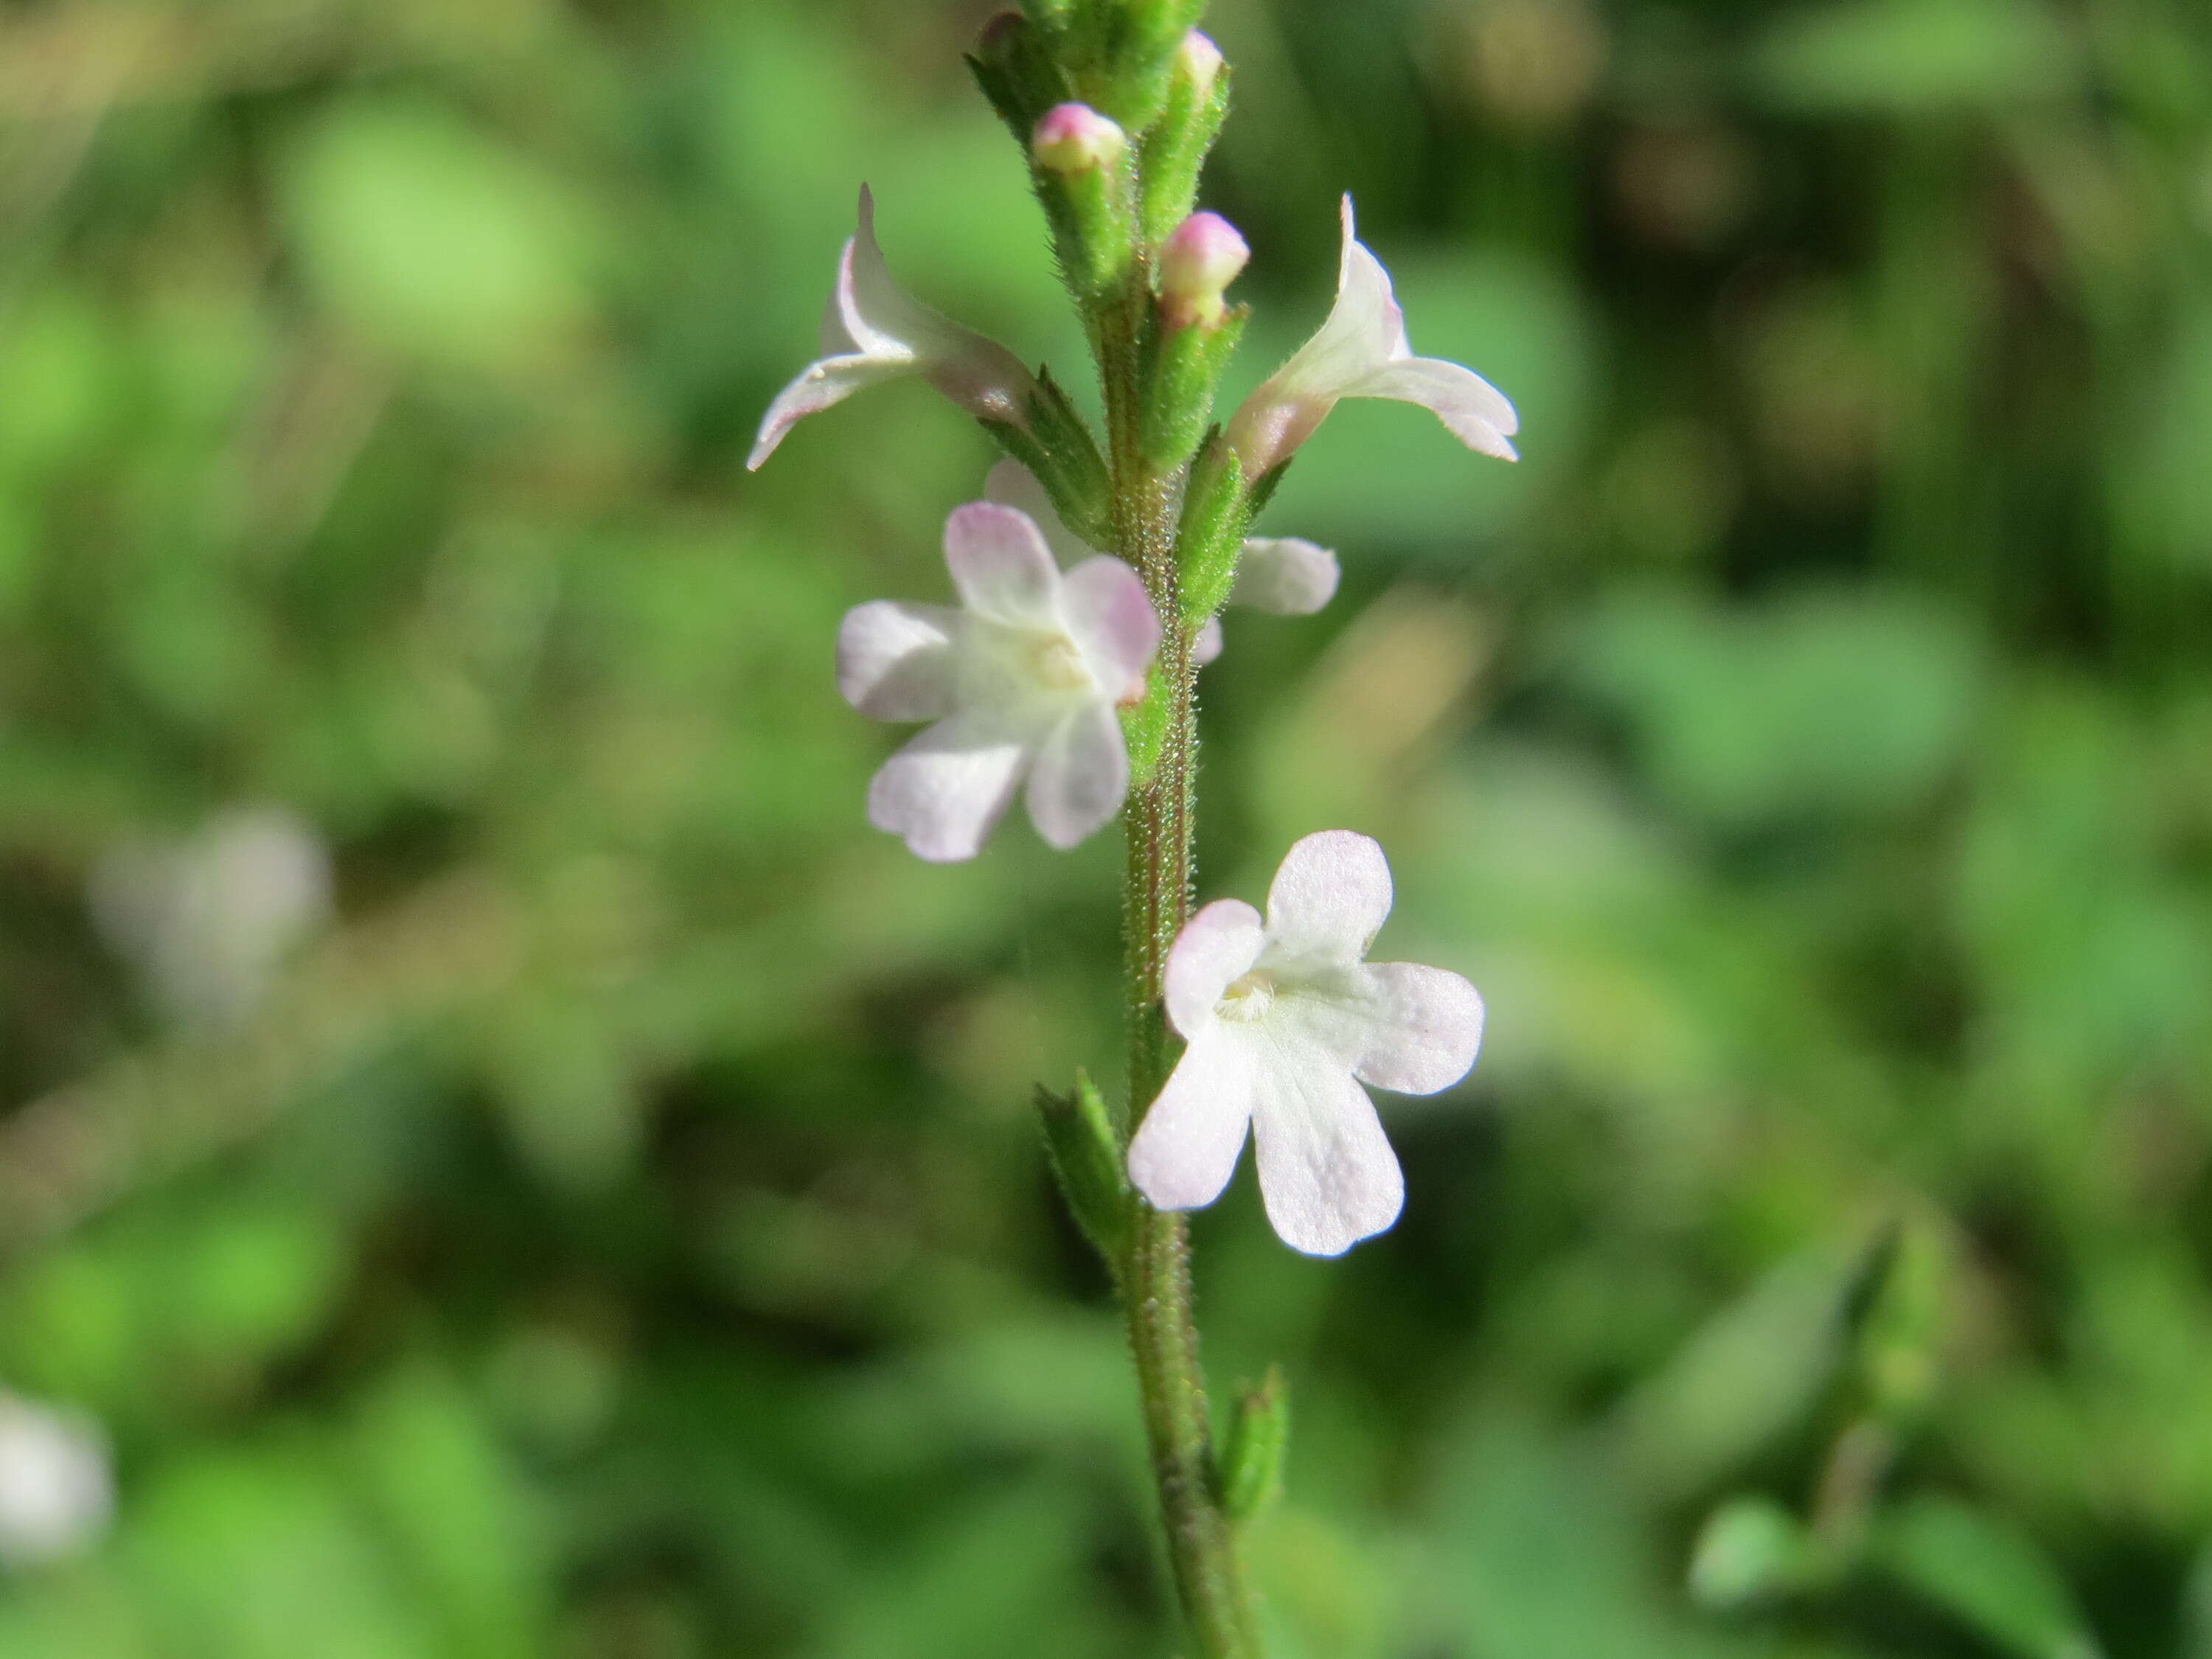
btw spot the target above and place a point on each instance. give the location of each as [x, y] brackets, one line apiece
[1199, 60]
[1074, 138]
[1176, 149]
[1198, 263]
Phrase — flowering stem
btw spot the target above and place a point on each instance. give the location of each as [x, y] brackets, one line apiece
[1156, 901]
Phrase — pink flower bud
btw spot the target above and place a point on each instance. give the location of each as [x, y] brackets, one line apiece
[1201, 59]
[1074, 138]
[1202, 259]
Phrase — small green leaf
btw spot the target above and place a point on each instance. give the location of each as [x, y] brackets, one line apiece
[1057, 447]
[1216, 512]
[1144, 727]
[1086, 1157]
[1251, 1460]
[1176, 150]
[1988, 1573]
[1181, 371]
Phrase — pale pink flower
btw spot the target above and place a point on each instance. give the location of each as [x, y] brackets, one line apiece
[1283, 575]
[1024, 677]
[1284, 1019]
[873, 330]
[1362, 351]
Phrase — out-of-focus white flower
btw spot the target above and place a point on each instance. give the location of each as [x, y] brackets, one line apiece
[56, 1489]
[874, 331]
[208, 919]
[1283, 575]
[1362, 351]
[1025, 677]
[1284, 1019]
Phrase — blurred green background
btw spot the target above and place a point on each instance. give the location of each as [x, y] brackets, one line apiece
[510, 1165]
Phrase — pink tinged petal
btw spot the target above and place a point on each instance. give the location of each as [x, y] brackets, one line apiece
[894, 660]
[1082, 774]
[1328, 899]
[883, 320]
[1001, 565]
[1271, 424]
[1472, 410]
[873, 330]
[1186, 1149]
[1207, 645]
[869, 311]
[1427, 1027]
[1326, 1172]
[1364, 331]
[1288, 577]
[945, 791]
[1362, 351]
[1112, 619]
[1011, 484]
[1216, 947]
[820, 386]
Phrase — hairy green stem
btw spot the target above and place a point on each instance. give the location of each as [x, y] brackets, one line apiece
[1156, 900]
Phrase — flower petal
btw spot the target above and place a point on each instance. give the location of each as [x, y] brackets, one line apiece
[1186, 1149]
[1112, 619]
[1326, 1172]
[894, 660]
[1428, 1026]
[819, 385]
[1207, 645]
[1328, 899]
[1364, 330]
[1474, 411]
[1286, 576]
[869, 311]
[943, 792]
[1082, 773]
[1011, 484]
[1002, 568]
[1216, 945]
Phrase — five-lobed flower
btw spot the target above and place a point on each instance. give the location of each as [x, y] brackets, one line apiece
[1361, 351]
[1284, 1019]
[1282, 575]
[873, 331]
[1025, 677]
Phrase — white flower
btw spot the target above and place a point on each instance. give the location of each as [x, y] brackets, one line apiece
[1362, 351]
[1284, 575]
[208, 919]
[1025, 677]
[873, 330]
[57, 1491]
[1284, 1019]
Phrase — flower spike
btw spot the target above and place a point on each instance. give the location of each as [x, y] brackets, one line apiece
[873, 330]
[1361, 351]
[1024, 677]
[1284, 1019]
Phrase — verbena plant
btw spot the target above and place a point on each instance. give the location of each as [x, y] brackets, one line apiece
[1089, 584]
